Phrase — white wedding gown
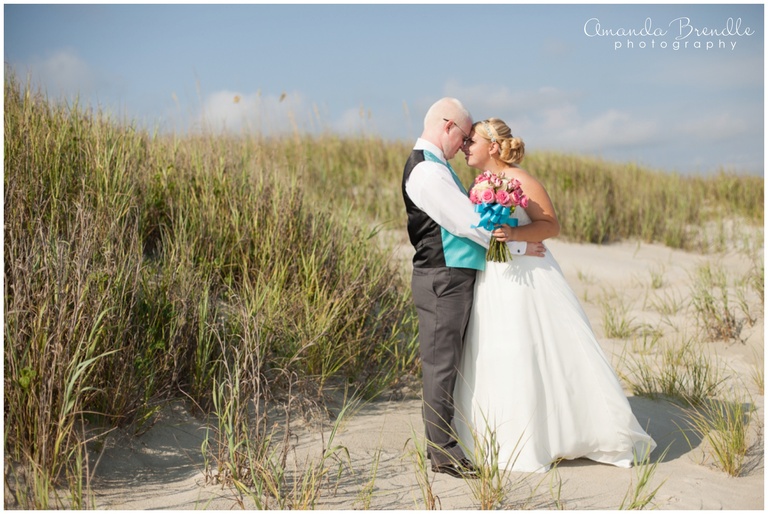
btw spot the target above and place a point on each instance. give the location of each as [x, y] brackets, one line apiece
[533, 380]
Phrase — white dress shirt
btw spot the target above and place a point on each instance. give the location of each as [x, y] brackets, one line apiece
[432, 189]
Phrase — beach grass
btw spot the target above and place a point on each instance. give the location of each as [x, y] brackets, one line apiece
[724, 425]
[681, 371]
[141, 269]
[713, 305]
[641, 493]
[416, 448]
[234, 271]
[616, 321]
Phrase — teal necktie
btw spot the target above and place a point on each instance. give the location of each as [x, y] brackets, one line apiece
[432, 157]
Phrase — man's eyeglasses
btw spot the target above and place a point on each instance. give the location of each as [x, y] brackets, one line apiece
[466, 136]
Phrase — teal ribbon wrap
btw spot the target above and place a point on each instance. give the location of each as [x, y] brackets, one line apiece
[492, 214]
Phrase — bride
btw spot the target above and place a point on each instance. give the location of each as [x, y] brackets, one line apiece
[533, 380]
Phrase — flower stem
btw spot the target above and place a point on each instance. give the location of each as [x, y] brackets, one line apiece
[498, 252]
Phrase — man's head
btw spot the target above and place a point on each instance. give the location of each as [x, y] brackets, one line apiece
[446, 125]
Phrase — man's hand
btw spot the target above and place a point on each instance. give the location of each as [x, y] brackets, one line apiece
[535, 249]
[504, 234]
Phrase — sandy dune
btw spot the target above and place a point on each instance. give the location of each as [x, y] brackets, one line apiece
[163, 468]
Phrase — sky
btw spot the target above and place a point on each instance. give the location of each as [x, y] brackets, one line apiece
[678, 88]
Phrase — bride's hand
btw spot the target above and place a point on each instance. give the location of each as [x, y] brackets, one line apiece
[504, 234]
[501, 234]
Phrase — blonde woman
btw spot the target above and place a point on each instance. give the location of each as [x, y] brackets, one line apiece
[532, 370]
[448, 253]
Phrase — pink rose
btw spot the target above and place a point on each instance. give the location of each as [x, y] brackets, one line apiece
[473, 197]
[503, 198]
[524, 202]
[487, 196]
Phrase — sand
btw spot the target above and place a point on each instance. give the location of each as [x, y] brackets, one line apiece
[164, 467]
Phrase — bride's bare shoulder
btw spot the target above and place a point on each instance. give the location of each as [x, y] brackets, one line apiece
[519, 173]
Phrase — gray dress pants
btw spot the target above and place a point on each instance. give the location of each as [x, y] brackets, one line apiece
[443, 299]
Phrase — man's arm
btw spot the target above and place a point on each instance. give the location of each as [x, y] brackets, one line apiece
[432, 189]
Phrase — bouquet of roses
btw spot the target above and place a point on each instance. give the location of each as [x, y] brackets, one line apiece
[495, 198]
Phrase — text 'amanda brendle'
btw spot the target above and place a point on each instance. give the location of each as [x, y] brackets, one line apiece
[682, 32]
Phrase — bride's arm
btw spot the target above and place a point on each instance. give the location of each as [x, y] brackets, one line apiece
[544, 224]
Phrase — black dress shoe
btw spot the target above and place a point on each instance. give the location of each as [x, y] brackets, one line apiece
[461, 469]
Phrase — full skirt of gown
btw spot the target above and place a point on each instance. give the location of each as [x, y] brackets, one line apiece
[533, 381]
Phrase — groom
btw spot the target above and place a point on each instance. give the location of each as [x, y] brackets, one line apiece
[448, 253]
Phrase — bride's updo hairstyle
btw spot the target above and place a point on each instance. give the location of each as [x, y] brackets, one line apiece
[511, 149]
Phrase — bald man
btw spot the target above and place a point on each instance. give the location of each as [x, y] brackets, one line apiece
[449, 252]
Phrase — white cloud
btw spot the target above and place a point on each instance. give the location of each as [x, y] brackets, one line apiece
[485, 100]
[272, 114]
[64, 73]
[353, 122]
[608, 130]
[553, 118]
[268, 114]
[559, 118]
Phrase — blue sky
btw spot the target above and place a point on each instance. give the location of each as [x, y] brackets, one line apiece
[672, 87]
